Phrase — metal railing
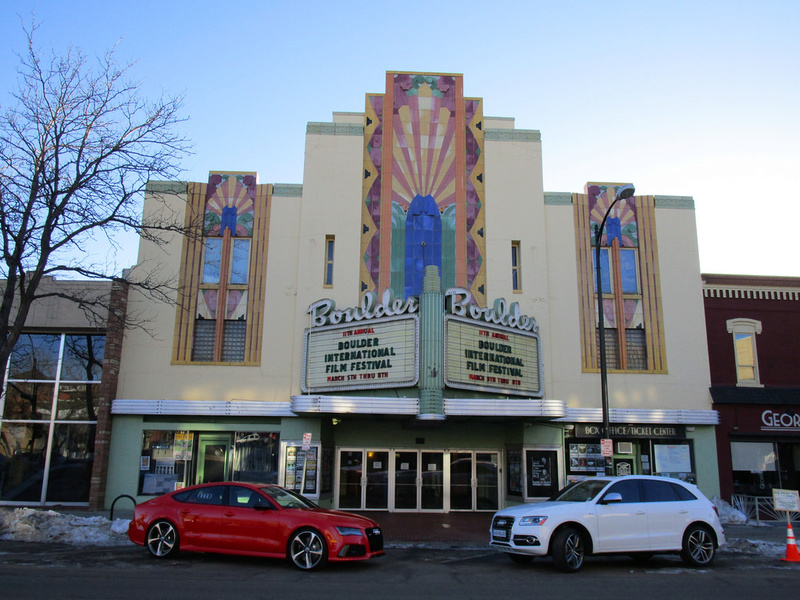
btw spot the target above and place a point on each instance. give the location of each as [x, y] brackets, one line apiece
[756, 508]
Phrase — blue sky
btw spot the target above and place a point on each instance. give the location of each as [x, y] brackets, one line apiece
[689, 98]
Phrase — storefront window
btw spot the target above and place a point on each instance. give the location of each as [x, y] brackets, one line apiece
[755, 470]
[174, 459]
[674, 460]
[297, 470]
[71, 455]
[40, 398]
[514, 470]
[35, 357]
[23, 449]
[256, 457]
[585, 460]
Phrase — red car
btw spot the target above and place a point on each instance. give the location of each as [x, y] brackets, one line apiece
[255, 520]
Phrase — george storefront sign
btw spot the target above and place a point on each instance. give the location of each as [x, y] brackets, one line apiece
[491, 358]
[379, 353]
[591, 430]
[773, 420]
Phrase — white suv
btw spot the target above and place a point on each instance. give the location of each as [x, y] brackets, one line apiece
[637, 515]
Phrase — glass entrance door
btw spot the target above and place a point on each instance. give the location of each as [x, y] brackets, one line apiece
[474, 481]
[363, 479]
[418, 480]
[212, 459]
[406, 480]
[432, 467]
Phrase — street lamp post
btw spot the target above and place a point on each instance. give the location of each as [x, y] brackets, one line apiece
[623, 192]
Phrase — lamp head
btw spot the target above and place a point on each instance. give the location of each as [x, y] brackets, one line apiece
[625, 191]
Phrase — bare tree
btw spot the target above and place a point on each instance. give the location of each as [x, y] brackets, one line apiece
[77, 149]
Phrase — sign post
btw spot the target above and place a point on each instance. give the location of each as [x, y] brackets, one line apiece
[607, 451]
[789, 501]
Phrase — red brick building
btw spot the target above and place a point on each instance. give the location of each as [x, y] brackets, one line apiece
[753, 326]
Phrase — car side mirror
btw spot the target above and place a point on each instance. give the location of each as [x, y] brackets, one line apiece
[612, 498]
[262, 505]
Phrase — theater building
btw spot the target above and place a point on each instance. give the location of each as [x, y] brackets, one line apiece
[414, 327]
[753, 327]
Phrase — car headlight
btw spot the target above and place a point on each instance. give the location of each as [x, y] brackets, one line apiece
[349, 531]
[532, 520]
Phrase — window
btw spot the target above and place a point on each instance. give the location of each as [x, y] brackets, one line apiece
[516, 270]
[755, 468]
[49, 417]
[243, 497]
[626, 347]
[223, 272]
[209, 495]
[632, 313]
[628, 489]
[329, 244]
[170, 460]
[660, 491]
[744, 350]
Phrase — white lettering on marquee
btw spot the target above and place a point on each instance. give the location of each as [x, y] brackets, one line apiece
[507, 315]
[323, 312]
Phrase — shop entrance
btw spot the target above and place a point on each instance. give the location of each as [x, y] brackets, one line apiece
[212, 458]
[418, 480]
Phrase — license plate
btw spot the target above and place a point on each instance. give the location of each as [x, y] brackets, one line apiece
[500, 533]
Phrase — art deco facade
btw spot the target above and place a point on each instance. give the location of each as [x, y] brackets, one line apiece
[418, 318]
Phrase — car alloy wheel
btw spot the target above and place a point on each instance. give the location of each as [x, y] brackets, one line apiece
[307, 549]
[162, 539]
[698, 546]
[568, 550]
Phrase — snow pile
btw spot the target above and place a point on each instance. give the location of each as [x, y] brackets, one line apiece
[29, 525]
[745, 546]
[727, 514]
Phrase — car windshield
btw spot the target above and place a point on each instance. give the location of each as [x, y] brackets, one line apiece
[287, 499]
[582, 491]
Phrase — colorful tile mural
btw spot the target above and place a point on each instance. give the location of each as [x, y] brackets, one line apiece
[423, 186]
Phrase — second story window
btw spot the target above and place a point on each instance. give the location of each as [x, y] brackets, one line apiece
[516, 269]
[630, 280]
[329, 247]
[224, 271]
[744, 349]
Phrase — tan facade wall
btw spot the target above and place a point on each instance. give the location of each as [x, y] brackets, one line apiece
[515, 211]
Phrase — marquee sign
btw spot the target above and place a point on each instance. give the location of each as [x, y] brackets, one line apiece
[375, 353]
[491, 358]
[492, 349]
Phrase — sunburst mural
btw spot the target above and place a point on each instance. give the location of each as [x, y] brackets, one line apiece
[423, 186]
[230, 205]
[621, 222]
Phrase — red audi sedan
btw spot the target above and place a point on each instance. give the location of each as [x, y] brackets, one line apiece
[252, 519]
